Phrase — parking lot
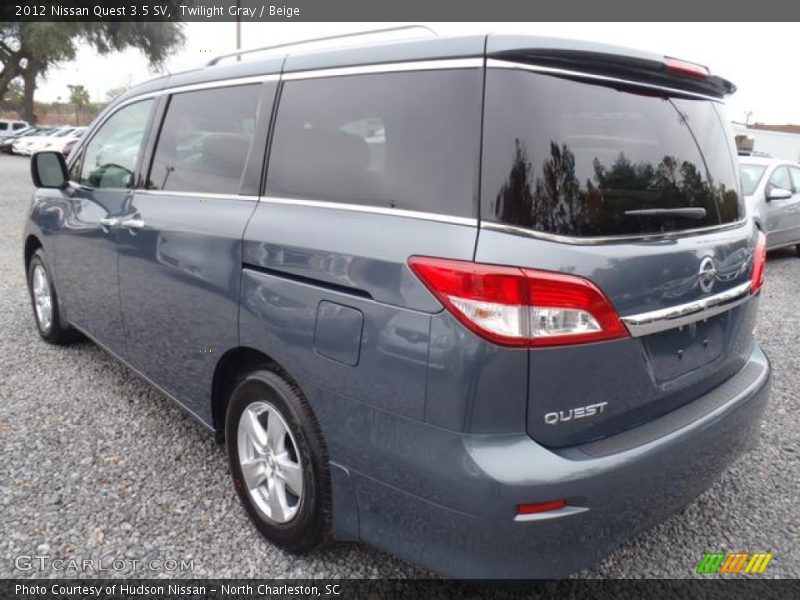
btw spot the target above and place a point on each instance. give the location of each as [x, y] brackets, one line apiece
[96, 464]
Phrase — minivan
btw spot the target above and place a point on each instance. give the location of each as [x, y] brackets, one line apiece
[487, 302]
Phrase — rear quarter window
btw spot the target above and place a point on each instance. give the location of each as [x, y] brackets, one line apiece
[395, 140]
[572, 158]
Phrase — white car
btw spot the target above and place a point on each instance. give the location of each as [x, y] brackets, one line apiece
[63, 143]
[28, 146]
[772, 194]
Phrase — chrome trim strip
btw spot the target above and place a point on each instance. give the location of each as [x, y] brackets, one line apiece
[378, 210]
[216, 83]
[198, 195]
[505, 64]
[418, 65]
[591, 241]
[566, 511]
[686, 314]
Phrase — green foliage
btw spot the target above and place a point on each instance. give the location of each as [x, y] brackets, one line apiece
[28, 50]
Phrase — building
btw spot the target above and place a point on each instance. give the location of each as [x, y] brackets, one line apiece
[777, 141]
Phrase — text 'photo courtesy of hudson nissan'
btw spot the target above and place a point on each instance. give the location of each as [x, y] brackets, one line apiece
[485, 302]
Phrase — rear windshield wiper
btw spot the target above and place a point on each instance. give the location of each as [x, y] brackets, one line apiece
[696, 213]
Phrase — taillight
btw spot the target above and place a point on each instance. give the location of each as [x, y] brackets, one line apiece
[759, 263]
[68, 147]
[520, 307]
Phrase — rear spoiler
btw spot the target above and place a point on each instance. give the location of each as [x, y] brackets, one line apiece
[669, 72]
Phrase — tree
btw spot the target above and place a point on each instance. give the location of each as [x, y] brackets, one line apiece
[13, 97]
[28, 50]
[79, 99]
[114, 93]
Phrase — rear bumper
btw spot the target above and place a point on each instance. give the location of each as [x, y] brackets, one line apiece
[447, 501]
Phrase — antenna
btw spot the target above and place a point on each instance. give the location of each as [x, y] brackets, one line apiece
[339, 36]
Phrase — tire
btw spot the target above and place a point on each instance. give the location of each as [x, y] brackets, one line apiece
[40, 285]
[292, 510]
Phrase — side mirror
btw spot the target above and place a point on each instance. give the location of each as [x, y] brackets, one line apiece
[777, 193]
[49, 170]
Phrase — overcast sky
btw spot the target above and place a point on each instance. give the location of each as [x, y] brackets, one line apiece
[757, 57]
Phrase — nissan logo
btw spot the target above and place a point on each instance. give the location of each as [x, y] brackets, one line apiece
[707, 274]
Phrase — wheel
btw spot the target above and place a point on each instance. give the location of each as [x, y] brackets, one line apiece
[278, 462]
[45, 303]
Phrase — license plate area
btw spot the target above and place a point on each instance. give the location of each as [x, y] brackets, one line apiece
[684, 349]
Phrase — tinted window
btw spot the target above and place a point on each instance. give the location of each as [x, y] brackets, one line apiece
[3, 126]
[751, 175]
[19, 126]
[578, 159]
[205, 140]
[109, 160]
[399, 140]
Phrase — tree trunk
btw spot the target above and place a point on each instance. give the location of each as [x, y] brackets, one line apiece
[10, 71]
[29, 76]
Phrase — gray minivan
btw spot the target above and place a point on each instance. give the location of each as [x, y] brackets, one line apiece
[486, 302]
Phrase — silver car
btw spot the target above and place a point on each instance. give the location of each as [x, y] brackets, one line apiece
[772, 193]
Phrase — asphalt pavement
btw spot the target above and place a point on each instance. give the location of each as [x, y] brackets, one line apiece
[94, 463]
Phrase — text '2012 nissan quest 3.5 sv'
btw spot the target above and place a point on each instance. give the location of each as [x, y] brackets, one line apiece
[486, 302]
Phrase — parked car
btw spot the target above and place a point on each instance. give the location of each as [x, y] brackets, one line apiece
[10, 126]
[771, 190]
[28, 145]
[486, 303]
[12, 133]
[6, 143]
[61, 143]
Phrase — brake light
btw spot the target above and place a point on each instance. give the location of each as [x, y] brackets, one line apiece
[520, 307]
[759, 263]
[683, 67]
[532, 509]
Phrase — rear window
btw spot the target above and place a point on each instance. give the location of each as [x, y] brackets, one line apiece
[397, 140]
[577, 159]
[751, 176]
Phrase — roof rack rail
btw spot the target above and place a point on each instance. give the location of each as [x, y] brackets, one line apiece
[216, 59]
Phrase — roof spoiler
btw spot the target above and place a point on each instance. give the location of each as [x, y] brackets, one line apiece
[669, 72]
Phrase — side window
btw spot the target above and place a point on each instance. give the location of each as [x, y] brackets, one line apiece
[395, 140]
[205, 140]
[795, 179]
[18, 125]
[109, 159]
[780, 179]
[3, 126]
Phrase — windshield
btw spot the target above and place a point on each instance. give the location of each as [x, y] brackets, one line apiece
[576, 158]
[751, 177]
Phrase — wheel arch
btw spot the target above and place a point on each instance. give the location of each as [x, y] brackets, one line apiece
[32, 244]
[232, 366]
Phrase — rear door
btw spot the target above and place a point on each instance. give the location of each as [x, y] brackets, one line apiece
[180, 238]
[794, 209]
[778, 212]
[635, 189]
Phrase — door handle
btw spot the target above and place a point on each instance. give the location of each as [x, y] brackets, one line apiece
[109, 222]
[131, 223]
